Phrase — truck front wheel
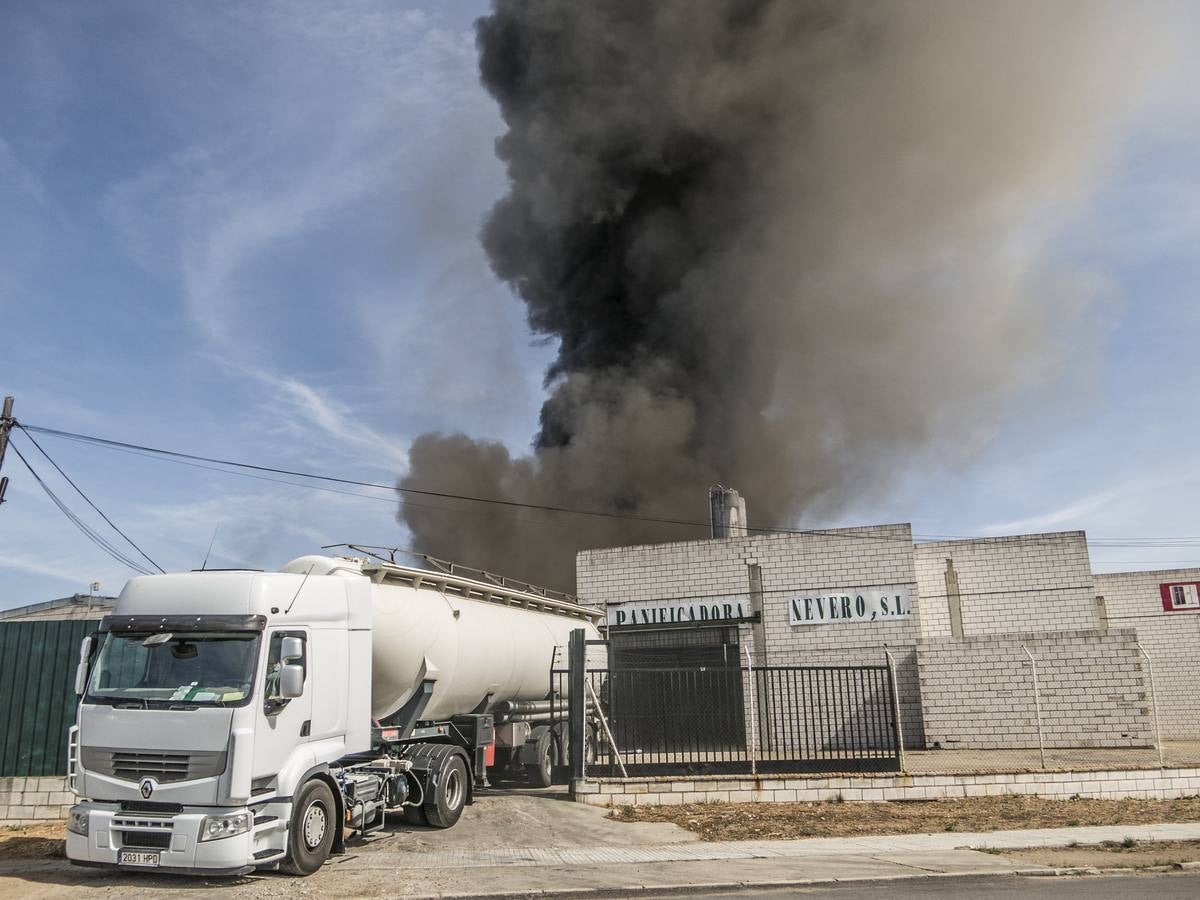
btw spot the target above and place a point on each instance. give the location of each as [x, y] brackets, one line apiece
[314, 821]
[446, 799]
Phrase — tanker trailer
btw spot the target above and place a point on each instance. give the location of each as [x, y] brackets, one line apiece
[501, 646]
[233, 721]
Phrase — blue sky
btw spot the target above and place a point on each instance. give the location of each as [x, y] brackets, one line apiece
[250, 231]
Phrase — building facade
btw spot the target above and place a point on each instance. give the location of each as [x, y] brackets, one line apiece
[967, 626]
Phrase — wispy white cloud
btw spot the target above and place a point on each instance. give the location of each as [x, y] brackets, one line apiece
[1097, 508]
[18, 176]
[292, 400]
[42, 565]
[1073, 514]
[293, 154]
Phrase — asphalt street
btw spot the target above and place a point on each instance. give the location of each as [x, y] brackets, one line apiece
[1184, 886]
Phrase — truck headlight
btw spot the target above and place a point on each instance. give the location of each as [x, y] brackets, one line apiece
[77, 821]
[213, 828]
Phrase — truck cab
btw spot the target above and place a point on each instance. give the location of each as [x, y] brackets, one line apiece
[209, 701]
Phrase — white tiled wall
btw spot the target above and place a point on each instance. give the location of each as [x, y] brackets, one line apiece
[978, 693]
[1009, 585]
[1170, 639]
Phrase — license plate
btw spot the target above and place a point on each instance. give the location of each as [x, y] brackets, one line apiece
[137, 858]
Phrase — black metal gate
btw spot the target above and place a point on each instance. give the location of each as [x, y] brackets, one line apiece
[731, 719]
[663, 686]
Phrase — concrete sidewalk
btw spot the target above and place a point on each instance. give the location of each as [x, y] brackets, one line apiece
[676, 867]
[380, 857]
[392, 866]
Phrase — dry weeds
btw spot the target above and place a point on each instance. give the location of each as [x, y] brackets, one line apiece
[782, 821]
[1111, 855]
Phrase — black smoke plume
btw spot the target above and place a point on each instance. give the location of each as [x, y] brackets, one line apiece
[794, 247]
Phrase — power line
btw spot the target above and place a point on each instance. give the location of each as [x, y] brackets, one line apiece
[308, 487]
[88, 532]
[442, 495]
[89, 502]
[196, 460]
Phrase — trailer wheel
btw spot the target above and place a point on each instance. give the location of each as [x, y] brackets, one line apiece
[591, 747]
[314, 821]
[448, 797]
[541, 773]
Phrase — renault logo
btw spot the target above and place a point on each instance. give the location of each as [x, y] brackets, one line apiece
[146, 786]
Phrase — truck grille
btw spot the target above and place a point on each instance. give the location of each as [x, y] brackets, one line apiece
[150, 840]
[134, 765]
[150, 832]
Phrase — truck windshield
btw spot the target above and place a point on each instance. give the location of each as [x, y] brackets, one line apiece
[196, 669]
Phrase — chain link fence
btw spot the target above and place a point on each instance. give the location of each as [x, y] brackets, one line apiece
[1094, 700]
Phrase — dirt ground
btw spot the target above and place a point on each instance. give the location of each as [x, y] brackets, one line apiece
[1125, 855]
[498, 818]
[44, 841]
[783, 821]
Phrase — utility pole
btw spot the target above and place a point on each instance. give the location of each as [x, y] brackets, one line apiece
[6, 421]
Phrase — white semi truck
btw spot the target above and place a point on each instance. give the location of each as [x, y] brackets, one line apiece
[232, 721]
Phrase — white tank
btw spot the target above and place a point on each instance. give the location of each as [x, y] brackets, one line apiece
[475, 638]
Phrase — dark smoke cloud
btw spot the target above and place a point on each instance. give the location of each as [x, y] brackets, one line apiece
[788, 246]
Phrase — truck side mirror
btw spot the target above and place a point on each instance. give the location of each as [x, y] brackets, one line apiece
[291, 680]
[291, 649]
[81, 670]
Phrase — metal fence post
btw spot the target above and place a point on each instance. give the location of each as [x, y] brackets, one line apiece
[891, 664]
[1153, 703]
[1037, 705]
[753, 715]
[576, 703]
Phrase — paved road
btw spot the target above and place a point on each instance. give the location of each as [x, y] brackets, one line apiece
[1143, 887]
[523, 844]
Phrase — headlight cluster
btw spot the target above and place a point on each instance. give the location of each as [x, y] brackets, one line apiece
[213, 828]
[77, 821]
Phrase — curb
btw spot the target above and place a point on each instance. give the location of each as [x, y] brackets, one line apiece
[699, 888]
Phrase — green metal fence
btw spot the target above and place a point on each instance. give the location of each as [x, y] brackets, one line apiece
[37, 694]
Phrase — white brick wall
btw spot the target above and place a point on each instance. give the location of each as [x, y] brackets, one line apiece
[1150, 784]
[25, 801]
[1007, 585]
[1170, 639]
[978, 693]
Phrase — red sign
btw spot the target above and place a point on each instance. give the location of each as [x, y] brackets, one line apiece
[1180, 596]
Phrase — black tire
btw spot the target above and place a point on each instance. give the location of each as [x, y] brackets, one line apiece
[541, 773]
[446, 800]
[314, 823]
[592, 748]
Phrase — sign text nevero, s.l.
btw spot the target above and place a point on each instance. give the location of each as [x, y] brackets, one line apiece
[883, 603]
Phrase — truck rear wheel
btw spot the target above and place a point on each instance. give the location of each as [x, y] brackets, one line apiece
[447, 798]
[541, 773]
[314, 821]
